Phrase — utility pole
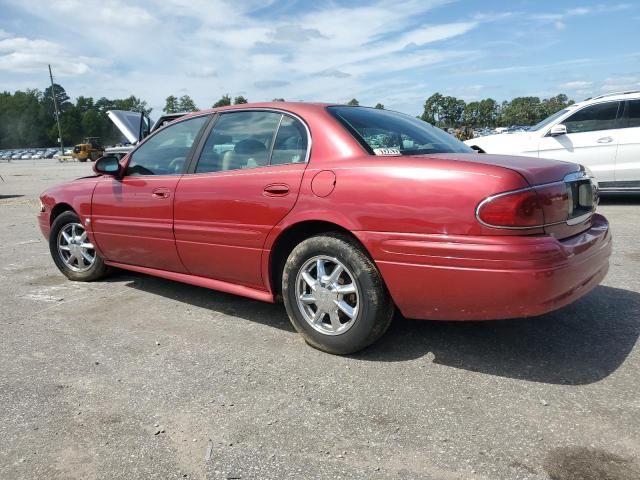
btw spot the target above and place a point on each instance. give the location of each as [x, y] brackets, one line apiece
[55, 106]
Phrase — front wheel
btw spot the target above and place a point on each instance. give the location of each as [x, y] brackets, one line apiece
[72, 250]
[334, 295]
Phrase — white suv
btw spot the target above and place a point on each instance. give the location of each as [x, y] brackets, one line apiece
[602, 133]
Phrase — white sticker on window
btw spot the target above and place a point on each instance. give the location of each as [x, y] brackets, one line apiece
[386, 151]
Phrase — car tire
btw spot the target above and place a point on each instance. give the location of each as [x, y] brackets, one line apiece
[69, 247]
[334, 322]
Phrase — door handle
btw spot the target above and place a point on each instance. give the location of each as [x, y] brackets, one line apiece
[160, 193]
[605, 140]
[276, 190]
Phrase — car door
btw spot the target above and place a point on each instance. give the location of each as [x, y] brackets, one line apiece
[132, 216]
[591, 139]
[628, 156]
[245, 181]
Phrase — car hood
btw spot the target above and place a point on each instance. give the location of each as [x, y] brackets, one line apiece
[535, 171]
[129, 123]
[503, 142]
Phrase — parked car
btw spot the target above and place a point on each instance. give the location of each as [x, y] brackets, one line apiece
[135, 126]
[602, 133]
[384, 211]
[16, 155]
[26, 155]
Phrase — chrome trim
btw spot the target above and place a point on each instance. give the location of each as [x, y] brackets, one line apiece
[571, 177]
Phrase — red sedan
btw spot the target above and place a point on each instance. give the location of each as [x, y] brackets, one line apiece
[343, 212]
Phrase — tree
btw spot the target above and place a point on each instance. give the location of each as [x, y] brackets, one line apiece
[224, 101]
[353, 102]
[133, 104]
[240, 100]
[432, 109]
[379, 106]
[171, 105]
[61, 97]
[521, 111]
[554, 104]
[487, 112]
[186, 104]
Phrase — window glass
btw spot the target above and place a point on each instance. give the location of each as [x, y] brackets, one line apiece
[383, 129]
[547, 120]
[166, 152]
[291, 142]
[633, 114]
[239, 140]
[596, 117]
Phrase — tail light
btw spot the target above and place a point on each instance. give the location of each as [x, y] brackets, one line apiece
[570, 201]
[520, 209]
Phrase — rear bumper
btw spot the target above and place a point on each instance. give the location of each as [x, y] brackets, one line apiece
[441, 277]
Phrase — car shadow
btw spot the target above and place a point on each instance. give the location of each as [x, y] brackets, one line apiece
[245, 308]
[4, 197]
[619, 198]
[579, 344]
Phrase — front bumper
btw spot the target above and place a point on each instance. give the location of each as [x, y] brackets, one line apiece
[440, 277]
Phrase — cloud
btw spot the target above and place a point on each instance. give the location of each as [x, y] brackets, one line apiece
[270, 84]
[333, 72]
[559, 19]
[24, 55]
[576, 84]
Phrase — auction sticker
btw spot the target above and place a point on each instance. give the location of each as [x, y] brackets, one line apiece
[386, 151]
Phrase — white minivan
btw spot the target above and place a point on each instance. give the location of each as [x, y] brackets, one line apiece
[602, 133]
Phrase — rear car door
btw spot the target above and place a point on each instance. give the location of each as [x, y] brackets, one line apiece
[591, 139]
[132, 216]
[628, 156]
[246, 179]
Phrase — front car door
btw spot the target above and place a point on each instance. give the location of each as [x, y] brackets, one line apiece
[628, 157]
[132, 216]
[591, 139]
[246, 180]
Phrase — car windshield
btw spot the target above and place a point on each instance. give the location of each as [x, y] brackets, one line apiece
[382, 132]
[548, 120]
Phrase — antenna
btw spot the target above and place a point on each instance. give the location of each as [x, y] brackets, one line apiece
[55, 106]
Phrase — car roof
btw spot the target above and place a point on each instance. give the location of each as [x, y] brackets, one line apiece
[613, 96]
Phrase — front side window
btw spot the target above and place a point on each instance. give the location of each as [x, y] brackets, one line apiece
[381, 130]
[166, 152]
[632, 119]
[601, 116]
[250, 139]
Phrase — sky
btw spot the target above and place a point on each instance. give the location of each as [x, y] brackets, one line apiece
[396, 52]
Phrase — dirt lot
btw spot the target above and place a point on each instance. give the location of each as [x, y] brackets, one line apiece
[137, 377]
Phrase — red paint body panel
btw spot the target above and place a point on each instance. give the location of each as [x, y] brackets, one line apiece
[219, 233]
[414, 215]
[132, 221]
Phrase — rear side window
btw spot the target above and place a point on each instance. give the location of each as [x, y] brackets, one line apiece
[632, 118]
[382, 132]
[166, 152]
[241, 140]
[596, 117]
[291, 142]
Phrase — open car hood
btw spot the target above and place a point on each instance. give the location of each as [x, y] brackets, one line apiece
[129, 124]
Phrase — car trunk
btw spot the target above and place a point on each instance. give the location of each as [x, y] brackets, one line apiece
[567, 193]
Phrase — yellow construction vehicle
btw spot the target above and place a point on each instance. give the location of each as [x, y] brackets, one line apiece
[89, 149]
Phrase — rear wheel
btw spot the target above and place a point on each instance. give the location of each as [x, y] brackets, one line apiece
[334, 295]
[72, 250]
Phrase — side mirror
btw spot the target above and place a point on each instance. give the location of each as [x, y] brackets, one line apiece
[107, 165]
[558, 130]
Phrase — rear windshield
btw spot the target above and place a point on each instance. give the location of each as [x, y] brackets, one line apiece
[382, 132]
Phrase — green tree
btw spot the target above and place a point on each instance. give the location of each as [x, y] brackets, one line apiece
[433, 109]
[353, 102]
[171, 105]
[224, 101]
[487, 112]
[133, 104]
[452, 109]
[521, 111]
[186, 104]
[240, 100]
[379, 106]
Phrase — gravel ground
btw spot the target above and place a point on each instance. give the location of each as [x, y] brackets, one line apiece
[138, 377]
